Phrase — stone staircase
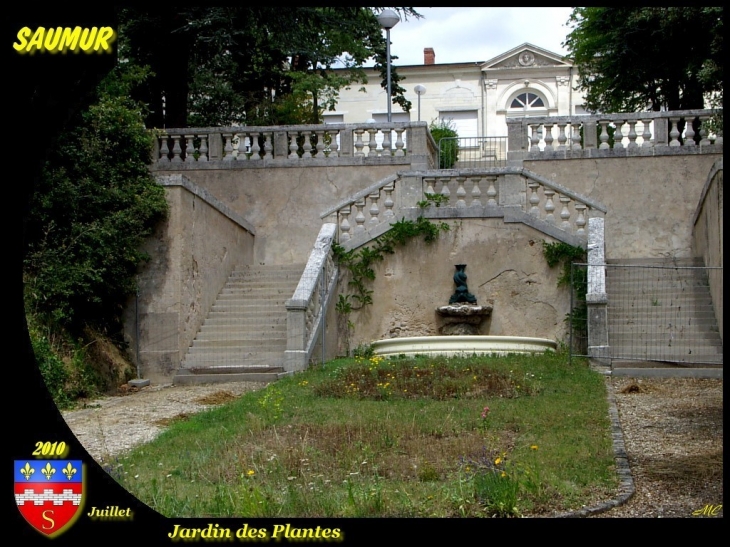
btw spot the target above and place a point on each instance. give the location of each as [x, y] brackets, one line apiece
[660, 314]
[243, 338]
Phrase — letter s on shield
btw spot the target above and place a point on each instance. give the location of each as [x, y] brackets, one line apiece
[49, 493]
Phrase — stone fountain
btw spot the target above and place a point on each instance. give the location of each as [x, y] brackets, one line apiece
[460, 324]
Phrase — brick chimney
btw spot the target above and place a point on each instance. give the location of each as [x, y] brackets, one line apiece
[429, 57]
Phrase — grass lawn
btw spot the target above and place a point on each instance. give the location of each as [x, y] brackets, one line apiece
[373, 437]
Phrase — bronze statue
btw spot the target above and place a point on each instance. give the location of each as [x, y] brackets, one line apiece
[462, 293]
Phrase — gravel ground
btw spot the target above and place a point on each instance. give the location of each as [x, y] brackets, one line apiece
[672, 432]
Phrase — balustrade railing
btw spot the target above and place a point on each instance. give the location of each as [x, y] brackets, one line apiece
[296, 143]
[307, 308]
[541, 136]
[513, 192]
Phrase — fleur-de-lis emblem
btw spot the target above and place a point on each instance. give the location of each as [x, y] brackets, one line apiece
[69, 471]
[27, 471]
[48, 471]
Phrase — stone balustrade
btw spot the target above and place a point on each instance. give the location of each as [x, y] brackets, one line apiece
[306, 309]
[175, 148]
[641, 133]
[516, 194]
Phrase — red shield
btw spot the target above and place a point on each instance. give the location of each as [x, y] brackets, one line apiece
[49, 493]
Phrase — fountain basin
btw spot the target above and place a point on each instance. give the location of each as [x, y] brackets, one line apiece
[462, 346]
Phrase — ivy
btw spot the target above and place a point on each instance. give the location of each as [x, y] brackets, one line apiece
[563, 254]
[360, 263]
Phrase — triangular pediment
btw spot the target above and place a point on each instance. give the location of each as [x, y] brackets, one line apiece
[526, 56]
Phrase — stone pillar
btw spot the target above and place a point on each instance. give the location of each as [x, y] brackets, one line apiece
[590, 134]
[296, 331]
[281, 145]
[596, 297]
[215, 147]
[516, 141]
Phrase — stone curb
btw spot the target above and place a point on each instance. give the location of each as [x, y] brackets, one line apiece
[626, 487]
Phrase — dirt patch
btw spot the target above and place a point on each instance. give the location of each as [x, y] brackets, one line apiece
[217, 398]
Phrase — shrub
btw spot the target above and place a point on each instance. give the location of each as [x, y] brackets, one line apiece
[448, 149]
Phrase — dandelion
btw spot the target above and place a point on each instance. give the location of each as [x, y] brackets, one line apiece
[533, 447]
[497, 461]
[250, 472]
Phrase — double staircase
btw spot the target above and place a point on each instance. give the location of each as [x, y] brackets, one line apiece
[660, 314]
[243, 338]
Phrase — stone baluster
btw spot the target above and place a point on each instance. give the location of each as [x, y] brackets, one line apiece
[549, 137]
[689, 133]
[562, 138]
[307, 147]
[445, 188]
[430, 181]
[359, 145]
[203, 148]
[293, 146]
[534, 137]
[344, 223]
[492, 191]
[646, 135]
[704, 140]
[268, 147]
[632, 135]
[575, 127]
[565, 213]
[372, 143]
[603, 137]
[389, 203]
[476, 192]
[227, 147]
[374, 209]
[580, 221]
[534, 198]
[387, 147]
[319, 153]
[549, 205]
[359, 217]
[189, 148]
[255, 147]
[618, 136]
[176, 150]
[164, 150]
[673, 132]
[460, 192]
[333, 143]
[399, 144]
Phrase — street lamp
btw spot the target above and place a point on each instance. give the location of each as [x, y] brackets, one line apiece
[388, 19]
[420, 90]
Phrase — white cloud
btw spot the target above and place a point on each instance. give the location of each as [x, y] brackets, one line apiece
[477, 34]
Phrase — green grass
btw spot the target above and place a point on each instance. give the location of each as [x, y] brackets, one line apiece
[392, 438]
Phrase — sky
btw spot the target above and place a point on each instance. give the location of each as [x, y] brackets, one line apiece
[460, 35]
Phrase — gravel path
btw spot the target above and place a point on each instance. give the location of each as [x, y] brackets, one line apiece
[672, 431]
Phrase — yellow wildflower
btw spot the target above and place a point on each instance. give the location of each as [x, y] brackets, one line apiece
[250, 472]
[497, 461]
[533, 447]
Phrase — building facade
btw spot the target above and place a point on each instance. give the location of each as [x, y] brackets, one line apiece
[476, 97]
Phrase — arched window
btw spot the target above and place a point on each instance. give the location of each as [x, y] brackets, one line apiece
[527, 101]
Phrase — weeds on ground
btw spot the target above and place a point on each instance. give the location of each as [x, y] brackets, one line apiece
[430, 437]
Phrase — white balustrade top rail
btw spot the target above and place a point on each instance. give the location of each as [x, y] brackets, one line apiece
[637, 133]
[294, 143]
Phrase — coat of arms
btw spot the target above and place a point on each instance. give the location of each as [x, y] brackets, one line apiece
[49, 493]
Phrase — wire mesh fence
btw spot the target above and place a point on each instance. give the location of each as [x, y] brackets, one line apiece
[662, 313]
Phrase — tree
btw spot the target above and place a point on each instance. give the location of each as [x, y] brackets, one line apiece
[91, 210]
[253, 65]
[631, 58]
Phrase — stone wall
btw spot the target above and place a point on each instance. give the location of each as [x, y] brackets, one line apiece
[284, 204]
[708, 232]
[650, 200]
[505, 268]
[191, 255]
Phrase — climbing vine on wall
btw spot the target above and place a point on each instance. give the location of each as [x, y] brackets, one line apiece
[564, 255]
[360, 262]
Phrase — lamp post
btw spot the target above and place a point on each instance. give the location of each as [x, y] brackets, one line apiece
[420, 90]
[388, 19]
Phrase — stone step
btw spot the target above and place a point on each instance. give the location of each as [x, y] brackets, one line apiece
[235, 356]
[252, 343]
[252, 327]
[244, 306]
